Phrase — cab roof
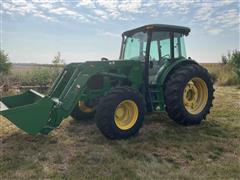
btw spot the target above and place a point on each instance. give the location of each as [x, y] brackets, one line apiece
[159, 27]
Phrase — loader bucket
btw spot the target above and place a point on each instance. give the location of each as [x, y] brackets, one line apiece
[29, 111]
[35, 113]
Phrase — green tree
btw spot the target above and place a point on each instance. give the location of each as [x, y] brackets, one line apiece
[58, 62]
[224, 60]
[5, 64]
[235, 62]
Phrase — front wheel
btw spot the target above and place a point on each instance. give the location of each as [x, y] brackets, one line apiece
[82, 111]
[120, 113]
[188, 94]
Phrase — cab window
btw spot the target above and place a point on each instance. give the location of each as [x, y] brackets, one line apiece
[154, 52]
[160, 46]
[179, 46]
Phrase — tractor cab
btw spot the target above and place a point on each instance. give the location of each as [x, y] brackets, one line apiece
[154, 45]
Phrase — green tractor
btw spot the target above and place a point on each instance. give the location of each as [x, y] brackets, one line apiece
[153, 74]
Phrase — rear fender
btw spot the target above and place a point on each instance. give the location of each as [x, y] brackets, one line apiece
[169, 67]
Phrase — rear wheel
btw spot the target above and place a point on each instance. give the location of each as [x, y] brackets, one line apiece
[120, 113]
[82, 111]
[188, 94]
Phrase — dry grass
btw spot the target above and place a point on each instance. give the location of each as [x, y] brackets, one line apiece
[162, 149]
[43, 75]
[31, 75]
[223, 75]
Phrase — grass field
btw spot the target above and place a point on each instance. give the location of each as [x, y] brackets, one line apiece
[162, 149]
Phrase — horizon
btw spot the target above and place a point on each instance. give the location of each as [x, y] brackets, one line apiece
[50, 64]
[84, 30]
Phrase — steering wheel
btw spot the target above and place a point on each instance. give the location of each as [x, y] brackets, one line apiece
[141, 58]
[104, 59]
[165, 57]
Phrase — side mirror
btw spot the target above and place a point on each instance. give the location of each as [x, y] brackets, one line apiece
[104, 59]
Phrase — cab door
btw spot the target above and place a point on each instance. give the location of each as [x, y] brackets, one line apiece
[159, 53]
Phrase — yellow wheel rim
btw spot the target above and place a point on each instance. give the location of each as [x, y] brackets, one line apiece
[126, 114]
[84, 108]
[195, 95]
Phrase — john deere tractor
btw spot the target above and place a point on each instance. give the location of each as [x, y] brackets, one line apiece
[153, 74]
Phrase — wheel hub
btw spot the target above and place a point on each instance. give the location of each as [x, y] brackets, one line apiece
[195, 95]
[126, 114]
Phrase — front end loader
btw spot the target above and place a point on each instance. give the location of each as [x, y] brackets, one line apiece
[152, 74]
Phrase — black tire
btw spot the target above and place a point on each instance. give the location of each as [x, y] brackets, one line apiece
[78, 114]
[174, 92]
[105, 112]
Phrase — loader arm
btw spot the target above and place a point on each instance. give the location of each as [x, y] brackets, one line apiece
[35, 113]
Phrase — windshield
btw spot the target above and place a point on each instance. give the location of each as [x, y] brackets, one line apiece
[135, 46]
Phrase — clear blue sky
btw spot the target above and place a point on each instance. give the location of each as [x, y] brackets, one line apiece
[34, 31]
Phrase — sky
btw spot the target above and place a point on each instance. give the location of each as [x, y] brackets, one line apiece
[33, 31]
